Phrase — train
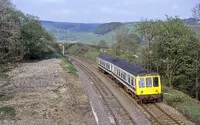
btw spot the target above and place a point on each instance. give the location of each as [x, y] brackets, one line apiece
[142, 84]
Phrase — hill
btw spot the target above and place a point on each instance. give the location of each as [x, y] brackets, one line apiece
[191, 21]
[107, 27]
[77, 27]
[92, 33]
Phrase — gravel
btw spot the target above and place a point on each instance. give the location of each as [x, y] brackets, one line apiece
[99, 110]
[44, 94]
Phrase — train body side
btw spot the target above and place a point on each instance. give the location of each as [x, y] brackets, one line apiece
[146, 85]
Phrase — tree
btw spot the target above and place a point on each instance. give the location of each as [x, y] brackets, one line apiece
[196, 11]
[196, 15]
[102, 44]
[147, 31]
[35, 39]
[21, 35]
[10, 45]
[126, 45]
[174, 42]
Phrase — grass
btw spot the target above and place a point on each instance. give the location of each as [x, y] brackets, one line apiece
[5, 97]
[183, 103]
[7, 113]
[68, 67]
[91, 55]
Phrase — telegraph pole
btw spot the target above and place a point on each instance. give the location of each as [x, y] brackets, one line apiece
[64, 44]
[63, 48]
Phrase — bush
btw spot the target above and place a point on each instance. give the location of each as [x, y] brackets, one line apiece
[7, 112]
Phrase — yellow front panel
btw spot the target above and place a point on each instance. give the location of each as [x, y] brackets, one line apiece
[148, 90]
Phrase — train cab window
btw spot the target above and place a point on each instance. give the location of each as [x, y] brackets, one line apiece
[141, 83]
[148, 82]
[155, 82]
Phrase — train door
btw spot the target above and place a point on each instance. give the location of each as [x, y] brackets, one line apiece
[133, 81]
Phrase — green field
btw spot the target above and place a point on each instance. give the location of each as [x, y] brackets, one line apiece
[87, 37]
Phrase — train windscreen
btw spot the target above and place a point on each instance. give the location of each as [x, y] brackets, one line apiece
[148, 82]
[155, 82]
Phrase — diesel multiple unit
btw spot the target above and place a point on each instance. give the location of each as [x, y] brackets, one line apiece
[141, 83]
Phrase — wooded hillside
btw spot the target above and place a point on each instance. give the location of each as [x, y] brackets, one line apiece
[107, 27]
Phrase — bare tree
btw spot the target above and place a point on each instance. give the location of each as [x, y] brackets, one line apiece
[196, 11]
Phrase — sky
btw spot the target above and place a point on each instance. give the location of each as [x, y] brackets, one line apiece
[102, 11]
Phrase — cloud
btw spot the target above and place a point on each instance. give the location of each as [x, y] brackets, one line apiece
[175, 7]
[104, 10]
[68, 12]
[113, 11]
[13, 1]
[52, 1]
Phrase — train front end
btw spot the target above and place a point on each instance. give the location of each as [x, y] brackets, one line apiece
[148, 88]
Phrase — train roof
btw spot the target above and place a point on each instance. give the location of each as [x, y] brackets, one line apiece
[129, 67]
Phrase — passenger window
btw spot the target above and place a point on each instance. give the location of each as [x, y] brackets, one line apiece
[129, 79]
[141, 83]
[124, 76]
[132, 81]
[148, 82]
[155, 82]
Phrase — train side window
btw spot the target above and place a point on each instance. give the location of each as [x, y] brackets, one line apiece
[141, 83]
[107, 66]
[124, 76]
[118, 73]
[155, 82]
[148, 82]
[129, 79]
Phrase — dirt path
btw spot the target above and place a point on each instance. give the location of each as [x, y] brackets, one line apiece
[41, 93]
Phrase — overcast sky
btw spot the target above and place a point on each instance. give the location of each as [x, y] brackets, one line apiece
[95, 11]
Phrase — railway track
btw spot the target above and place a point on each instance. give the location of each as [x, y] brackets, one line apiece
[116, 110]
[160, 116]
[157, 115]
